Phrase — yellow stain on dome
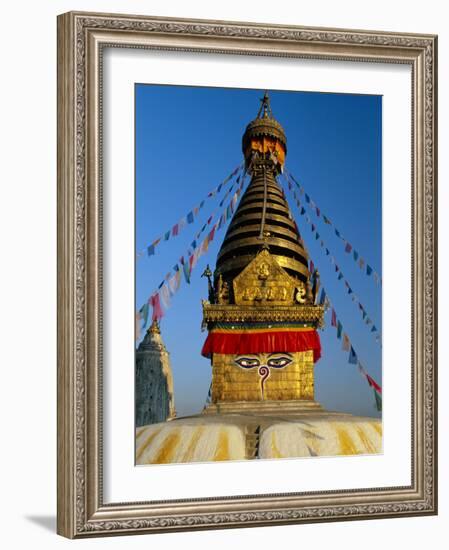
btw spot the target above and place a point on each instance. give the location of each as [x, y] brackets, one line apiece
[188, 456]
[365, 441]
[140, 431]
[222, 451]
[347, 446]
[146, 443]
[378, 427]
[167, 449]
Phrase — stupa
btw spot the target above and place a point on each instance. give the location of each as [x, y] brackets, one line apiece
[154, 380]
[262, 319]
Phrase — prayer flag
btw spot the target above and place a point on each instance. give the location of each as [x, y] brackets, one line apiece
[322, 297]
[378, 399]
[340, 276]
[334, 318]
[144, 313]
[151, 250]
[194, 258]
[346, 342]
[318, 211]
[369, 269]
[190, 217]
[339, 329]
[175, 230]
[174, 282]
[303, 211]
[348, 247]
[312, 266]
[165, 296]
[222, 221]
[212, 233]
[186, 269]
[156, 304]
[337, 232]
[356, 255]
[307, 198]
[373, 383]
[352, 357]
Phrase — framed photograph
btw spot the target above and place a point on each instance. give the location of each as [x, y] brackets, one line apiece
[246, 274]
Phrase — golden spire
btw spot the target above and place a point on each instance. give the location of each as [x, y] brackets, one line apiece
[263, 218]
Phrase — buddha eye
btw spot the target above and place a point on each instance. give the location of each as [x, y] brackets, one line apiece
[279, 362]
[247, 362]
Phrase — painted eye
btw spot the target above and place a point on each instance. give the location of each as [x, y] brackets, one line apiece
[247, 362]
[279, 362]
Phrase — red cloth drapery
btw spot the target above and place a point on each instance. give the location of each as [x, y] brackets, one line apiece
[241, 342]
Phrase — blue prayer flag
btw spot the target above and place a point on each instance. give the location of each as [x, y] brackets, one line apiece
[352, 357]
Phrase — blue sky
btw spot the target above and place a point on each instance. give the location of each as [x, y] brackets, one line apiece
[188, 139]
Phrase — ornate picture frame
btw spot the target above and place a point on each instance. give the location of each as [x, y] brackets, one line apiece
[82, 39]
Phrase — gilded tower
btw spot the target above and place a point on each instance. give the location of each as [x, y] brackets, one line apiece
[262, 316]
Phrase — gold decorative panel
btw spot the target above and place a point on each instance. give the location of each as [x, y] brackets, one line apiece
[263, 281]
[233, 383]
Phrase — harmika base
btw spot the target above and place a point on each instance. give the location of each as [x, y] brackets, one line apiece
[283, 408]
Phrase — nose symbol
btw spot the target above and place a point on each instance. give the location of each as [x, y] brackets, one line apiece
[264, 373]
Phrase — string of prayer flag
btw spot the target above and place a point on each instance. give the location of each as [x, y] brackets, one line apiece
[189, 218]
[340, 277]
[348, 247]
[353, 357]
[160, 299]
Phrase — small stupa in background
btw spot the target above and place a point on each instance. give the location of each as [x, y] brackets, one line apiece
[154, 380]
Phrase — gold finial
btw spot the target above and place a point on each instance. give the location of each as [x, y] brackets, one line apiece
[265, 107]
[154, 328]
